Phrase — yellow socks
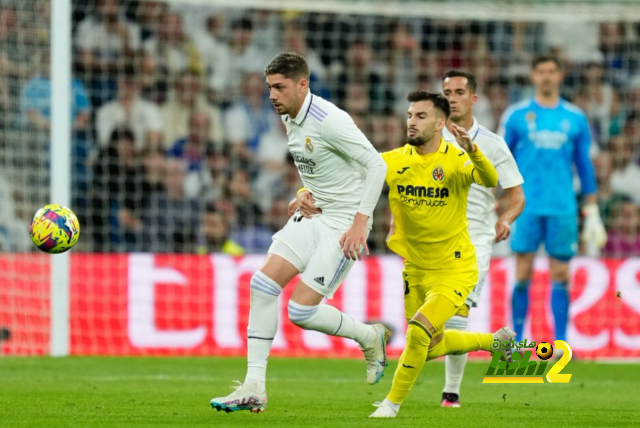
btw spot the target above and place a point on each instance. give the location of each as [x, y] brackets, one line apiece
[411, 361]
[456, 342]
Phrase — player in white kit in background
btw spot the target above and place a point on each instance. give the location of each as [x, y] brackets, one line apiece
[459, 88]
[345, 174]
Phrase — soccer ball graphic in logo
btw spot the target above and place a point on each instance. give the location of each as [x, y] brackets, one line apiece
[54, 229]
[544, 350]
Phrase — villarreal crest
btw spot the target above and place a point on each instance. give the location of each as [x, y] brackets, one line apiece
[438, 173]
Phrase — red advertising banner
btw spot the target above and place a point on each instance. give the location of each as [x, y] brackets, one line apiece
[168, 304]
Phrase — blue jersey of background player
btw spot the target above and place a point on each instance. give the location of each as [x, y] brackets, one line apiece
[548, 136]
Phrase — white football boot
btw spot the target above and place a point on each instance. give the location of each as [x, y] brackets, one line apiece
[376, 354]
[243, 398]
[383, 411]
[505, 334]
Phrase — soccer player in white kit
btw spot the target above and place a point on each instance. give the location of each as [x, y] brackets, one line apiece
[345, 174]
[459, 88]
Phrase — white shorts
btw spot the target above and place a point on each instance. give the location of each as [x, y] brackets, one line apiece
[314, 249]
[483, 258]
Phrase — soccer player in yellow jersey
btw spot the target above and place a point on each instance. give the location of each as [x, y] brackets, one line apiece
[429, 180]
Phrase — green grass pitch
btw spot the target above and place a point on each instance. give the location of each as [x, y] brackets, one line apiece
[175, 392]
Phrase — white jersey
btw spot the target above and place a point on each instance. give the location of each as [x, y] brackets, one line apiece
[332, 156]
[481, 202]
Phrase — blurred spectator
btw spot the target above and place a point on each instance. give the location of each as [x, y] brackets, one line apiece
[219, 167]
[244, 58]
[623, 237]
[35, 107]
[240, 195]
[215, 52]
[186, 98]
[115, 194]
[576, 43]
[253, 127]
[16, 63]
[294, 40]
[14, 232]
[172, 49]
[257, 238]
[615, 47]
[149, 16]
[402, 56]
[359, 70]
[599, 100]
[632, 132]
[170, 218]
[130, 110]
[607, 196]
[103, 41]
[153, 160]
[213, 236]
[193, 150]
[625, 178]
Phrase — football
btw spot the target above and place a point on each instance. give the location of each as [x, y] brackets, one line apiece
[54, 229]
[544, 350]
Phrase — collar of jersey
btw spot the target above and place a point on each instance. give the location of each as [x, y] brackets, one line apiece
[473, 132]
[304, 110]
[442, 148]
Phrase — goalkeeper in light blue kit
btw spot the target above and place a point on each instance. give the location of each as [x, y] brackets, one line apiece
[548, 136]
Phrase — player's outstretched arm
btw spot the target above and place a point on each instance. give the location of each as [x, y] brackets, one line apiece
[482, 171]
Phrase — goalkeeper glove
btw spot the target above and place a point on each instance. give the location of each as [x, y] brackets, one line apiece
[594, 234]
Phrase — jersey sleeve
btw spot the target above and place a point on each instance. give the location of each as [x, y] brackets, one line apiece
[504, 163]
[476, 168]
[582, 160]
[342, 134]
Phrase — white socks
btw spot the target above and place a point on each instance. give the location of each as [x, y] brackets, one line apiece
[455, 363]
[263, 324]
[329, 320]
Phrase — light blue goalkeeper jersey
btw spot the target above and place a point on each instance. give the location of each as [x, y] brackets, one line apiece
[546, 144]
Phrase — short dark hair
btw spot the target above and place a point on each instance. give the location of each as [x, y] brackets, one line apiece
[243, 23]
[290, 65]
[122, 133]
[540, 59]
[439, 101]
[471, 79]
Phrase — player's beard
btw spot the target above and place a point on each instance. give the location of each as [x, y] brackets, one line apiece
[420, 139]
[416, 141]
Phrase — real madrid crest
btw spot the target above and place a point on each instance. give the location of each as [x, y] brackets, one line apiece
[308, 146]
[438, 173]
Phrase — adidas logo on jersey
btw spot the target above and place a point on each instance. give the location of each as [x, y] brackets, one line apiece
[319, 280]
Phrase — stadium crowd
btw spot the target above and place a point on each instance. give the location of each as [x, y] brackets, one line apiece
[176, 147]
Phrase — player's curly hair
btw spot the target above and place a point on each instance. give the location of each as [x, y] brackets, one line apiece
[439, 101]
[290, 65]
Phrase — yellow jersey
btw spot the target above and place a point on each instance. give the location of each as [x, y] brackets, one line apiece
[428, 199]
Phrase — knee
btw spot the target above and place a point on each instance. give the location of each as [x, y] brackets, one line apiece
[559, 272]
[301, 315]
[263, 286]
[418, 335]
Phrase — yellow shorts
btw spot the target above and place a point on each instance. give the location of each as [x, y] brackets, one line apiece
[421, 284]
